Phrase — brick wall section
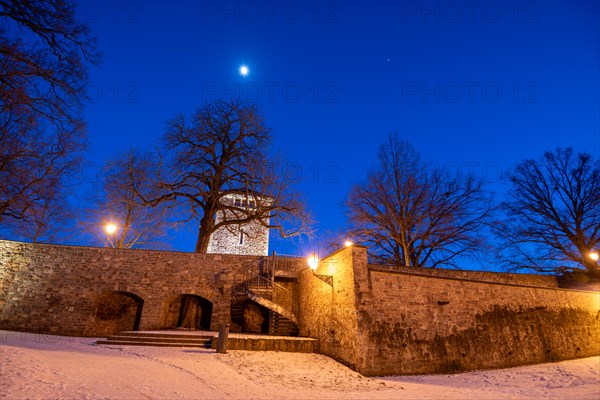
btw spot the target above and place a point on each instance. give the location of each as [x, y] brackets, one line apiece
[56, 289]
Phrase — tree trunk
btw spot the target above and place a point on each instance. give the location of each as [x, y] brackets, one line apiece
[206, 224]
[591, 265]
[190, 312]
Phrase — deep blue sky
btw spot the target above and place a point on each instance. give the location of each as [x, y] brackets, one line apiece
[473, 85]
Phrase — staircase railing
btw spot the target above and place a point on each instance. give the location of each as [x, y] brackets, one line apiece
[284, 264]
[259, 279]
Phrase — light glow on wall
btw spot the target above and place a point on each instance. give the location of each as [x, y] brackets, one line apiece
[313, 262]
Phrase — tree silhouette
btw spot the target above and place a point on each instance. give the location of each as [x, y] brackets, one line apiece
[552, 216]
[414, 216]
[137, 225]
[219, 151]
[43, 73]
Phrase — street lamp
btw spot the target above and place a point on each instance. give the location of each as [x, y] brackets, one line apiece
[313, 264]
[110, 229]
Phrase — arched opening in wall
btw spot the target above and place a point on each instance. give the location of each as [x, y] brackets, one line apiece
[118, 311]
[188, 311]
[248, 316]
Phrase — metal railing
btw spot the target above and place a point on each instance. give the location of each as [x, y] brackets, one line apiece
[285, 264]
[259, 279]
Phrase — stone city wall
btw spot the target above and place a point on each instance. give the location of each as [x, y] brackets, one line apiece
[71, 290]
[482, 276]
[328, 313]
[376, 320]
[415, 324]
[382, 322]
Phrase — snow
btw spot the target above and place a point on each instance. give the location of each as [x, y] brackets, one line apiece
[35, 366]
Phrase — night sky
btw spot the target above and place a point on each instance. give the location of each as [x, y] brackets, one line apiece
[475, 86]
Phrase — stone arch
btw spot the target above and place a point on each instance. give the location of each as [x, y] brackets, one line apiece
[118, 311]
[186, 310]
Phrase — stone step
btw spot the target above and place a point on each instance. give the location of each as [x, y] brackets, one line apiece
[157, 344]
[162, 339]
[192, 340]
[280, 325]
[169, 335]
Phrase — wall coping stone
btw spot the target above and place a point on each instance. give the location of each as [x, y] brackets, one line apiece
[111, 249]
[376, 269]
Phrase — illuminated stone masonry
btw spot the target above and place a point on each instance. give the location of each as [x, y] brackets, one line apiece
[247, 239]
[375, 319]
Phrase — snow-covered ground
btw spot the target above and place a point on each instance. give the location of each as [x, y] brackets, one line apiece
[34, 366]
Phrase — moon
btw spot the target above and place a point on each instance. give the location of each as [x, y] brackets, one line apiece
[244, 70]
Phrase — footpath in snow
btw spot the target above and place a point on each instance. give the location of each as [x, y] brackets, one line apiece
[34, 366]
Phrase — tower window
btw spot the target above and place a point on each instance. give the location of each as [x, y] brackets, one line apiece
[241, 236]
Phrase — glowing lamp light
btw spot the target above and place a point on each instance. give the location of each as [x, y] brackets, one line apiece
[348, 243]
[313, 262]
[594, 256]
[111, 228]
[244, 70]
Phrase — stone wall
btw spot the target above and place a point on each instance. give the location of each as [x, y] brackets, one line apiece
[226, 240]
[251, 238]
[420, 324]
[273, 343]
[376, 320]
[482, 276]
[383, 322]
[328, 313]
[60, 289]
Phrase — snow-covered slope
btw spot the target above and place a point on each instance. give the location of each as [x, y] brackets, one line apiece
[36, 366]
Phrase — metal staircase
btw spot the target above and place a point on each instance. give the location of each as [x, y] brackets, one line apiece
[258, 284]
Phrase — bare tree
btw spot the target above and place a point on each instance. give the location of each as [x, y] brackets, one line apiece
[43, 55]
[414, 216]
[49, 219]
[222, 150]
[137, 224]
[552, 216]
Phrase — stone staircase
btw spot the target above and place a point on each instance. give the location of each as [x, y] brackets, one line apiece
[170, 339]
[282, 326]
